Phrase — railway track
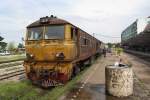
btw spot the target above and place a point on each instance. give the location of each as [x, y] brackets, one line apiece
[12, 74]
[142, 55]
[13, 71]
[10, 64]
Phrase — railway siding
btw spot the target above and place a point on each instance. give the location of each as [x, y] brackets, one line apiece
[11, 69]
[12, 74]
[6, 73]
[10, 64]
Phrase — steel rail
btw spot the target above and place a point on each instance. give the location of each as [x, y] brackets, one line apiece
[5, 65]
[12, 74]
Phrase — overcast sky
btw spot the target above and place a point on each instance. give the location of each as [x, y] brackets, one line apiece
[105, 18]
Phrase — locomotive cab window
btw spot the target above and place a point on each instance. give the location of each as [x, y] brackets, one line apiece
[35, 33]
[74, 33]
[54, 32]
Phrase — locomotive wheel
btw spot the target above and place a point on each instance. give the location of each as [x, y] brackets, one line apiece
[76, 70]
[82, 65]
[70, 75]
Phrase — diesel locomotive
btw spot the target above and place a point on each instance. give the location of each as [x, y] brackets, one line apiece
[56, 50]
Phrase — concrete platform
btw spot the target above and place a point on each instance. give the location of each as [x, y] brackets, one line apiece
[92, 84]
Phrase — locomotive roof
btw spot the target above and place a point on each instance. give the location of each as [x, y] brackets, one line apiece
[52, 20]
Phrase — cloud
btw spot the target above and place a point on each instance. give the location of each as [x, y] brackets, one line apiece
[107, 17]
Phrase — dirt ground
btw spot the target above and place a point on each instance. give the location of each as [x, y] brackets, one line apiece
[141, 68]
[92, 84]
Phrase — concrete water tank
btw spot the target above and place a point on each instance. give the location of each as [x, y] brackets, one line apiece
[119, 80]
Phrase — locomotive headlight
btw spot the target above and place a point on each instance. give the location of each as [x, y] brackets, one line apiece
[60, 55]
[30, 56]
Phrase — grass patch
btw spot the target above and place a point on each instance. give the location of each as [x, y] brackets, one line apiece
[17, 91]
[24, 90]
[10, 58]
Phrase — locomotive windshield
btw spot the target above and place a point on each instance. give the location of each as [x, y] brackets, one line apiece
[54, 32]
[35, 33]
[51, 32]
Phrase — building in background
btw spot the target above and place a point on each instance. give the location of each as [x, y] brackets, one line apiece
[137, 35]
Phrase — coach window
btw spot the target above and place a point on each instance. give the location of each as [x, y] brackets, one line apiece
[85, 41]
[82, 40]
[96, 45]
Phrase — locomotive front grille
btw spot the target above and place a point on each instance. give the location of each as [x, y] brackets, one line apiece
[48, 74]
[50, 82]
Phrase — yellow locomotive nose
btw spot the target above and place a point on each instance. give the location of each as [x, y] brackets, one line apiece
[51, 52]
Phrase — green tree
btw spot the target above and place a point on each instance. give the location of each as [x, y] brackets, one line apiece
[2, 44]
[109, 45]
[117, 45]
[119, 51]
[20, 45]
[11, 46]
